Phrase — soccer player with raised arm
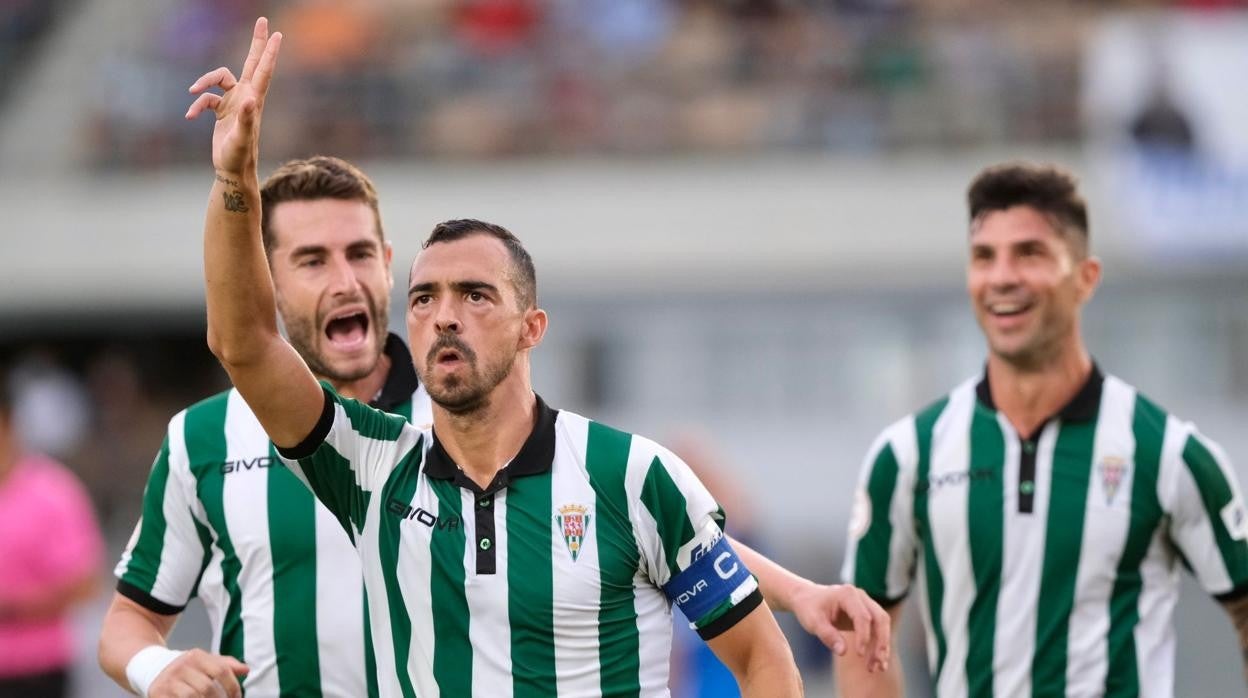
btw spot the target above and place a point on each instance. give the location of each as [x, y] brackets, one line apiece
[1045, 506]
[225, 521]
[511, 548]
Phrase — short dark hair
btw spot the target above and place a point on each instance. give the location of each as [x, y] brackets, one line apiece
[1050, 190]
[309, 179]
[525, 274]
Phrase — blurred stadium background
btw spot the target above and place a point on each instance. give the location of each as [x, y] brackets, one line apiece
[747, 215]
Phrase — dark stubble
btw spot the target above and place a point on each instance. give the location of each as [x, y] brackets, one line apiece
[468, 394]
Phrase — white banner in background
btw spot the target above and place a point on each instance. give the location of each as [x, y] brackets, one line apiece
[1165, 100]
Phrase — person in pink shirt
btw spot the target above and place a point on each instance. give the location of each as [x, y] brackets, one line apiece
[50, 556]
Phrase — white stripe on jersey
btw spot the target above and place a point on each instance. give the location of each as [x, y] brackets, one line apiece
[905, 444]
[1154, 634]
[654, 611]
[335, 587]
[1022, 558]
[949, 507]
[176, 575]
[491, 646]
[1105, 530]
[415, 563]
[575, 629]
[376, 456]
[245, 501]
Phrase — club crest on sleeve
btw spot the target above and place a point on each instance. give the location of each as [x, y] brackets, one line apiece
[1235, 518]
[860, 515]
[1113, 470]
[573, 521]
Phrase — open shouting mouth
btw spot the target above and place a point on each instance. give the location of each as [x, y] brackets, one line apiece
[347, 329]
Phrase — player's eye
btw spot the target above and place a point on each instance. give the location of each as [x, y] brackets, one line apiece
[475, 296]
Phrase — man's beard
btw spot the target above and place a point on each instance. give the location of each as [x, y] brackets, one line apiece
[468, 394]
[304, 334]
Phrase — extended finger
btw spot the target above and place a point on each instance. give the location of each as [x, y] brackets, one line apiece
[207, 100]
[268, 61]
[831, 637]
[259, 39]
[860, 617]
[221, 77]
[883, 634]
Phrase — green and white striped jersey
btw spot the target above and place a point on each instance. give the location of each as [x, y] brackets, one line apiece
[224, 521]
[1049, 565]
[553, 581]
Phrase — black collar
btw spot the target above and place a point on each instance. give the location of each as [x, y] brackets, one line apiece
[1081, 408]
[401, 382]
[535, 456]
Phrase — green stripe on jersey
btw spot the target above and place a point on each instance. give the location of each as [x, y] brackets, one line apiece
[531, 585]
[619, 646]
[985, 525]
[205, 540]
[663, 499]
[373, 423]
[875, 546]
[370, 656]
[1216, 493]
[145, 556]
[333, 481]
[401, 485]
[204, 430]
[292, 517]
[452, 651]
[1068, 501]
[924, 424]
[1148, 426]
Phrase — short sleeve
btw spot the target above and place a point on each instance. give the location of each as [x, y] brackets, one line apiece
[882, 543]
[349, 454]
[169, 549]
[680, 530]
[1208, 521]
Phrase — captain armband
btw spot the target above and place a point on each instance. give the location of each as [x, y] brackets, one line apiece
[712, 578]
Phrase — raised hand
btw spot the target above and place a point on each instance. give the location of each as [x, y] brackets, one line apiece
[236, 136]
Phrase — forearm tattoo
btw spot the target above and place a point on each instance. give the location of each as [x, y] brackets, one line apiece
[233, 200]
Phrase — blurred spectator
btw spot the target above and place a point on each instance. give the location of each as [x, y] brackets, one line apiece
[1163, 125]
[50, 554]
[51, 409]
[497, 78]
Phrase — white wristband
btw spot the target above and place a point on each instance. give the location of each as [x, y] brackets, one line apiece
[146, 665]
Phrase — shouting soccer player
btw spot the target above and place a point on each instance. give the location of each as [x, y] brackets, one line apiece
[511, 548]
[225, 521]
[1046, 505]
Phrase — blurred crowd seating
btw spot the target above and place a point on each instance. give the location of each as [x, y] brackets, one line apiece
[23, 23]
[456, 79]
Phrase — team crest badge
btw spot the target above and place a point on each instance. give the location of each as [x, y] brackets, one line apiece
[573, 520]
[1113, 469]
